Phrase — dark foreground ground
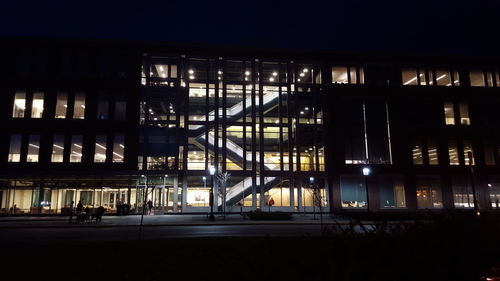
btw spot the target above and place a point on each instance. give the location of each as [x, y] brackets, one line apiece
[453, 248]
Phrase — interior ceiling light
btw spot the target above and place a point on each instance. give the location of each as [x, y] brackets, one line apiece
[161, 68]
[302, 74]
[305, 70]
[271, 79]
[441, 77]
[219, 72]
[191, 76]
[275, 73]
[191, 71]
[247, 73]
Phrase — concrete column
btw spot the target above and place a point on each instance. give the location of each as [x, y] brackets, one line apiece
[176, 193]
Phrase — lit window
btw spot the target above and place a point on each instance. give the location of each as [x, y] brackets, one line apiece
[76, 149]
[118, 148]
[19, 104]
[79, 106]
[15, 148]
[468, 153]
[410, 76]
[453, 153]
[100, 149]
[37, 105]
[61, 105]
[464, 114]
[102, 108]
[417, 154]
[462, 193]
[449, 113]
[476, 78]
[443, 77]
[429, 194]
[432, 152]
[33, 148]
[58, 148]
[340, 75]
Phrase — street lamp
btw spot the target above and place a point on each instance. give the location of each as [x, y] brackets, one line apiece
[366, 173]
[211, 199]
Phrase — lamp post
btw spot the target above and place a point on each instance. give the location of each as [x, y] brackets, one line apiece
[473, 186]
[366, 173]
[211, 200]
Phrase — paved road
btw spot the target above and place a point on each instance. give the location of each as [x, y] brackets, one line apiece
[151, 232]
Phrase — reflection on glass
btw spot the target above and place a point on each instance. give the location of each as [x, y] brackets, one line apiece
[432, 152]
[409, 76]
[417, 154]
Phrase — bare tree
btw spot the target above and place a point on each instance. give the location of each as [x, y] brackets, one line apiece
[222, 179]
[318, 202]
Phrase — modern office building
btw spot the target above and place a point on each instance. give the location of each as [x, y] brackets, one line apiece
[116, 122]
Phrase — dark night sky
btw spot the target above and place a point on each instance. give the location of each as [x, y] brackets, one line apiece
[439, 26]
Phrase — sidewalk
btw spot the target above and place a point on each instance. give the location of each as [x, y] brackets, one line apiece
[155, 220]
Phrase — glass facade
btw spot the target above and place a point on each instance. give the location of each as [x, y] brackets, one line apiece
[293, 134]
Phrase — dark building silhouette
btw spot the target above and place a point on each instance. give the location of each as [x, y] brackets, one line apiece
[98, 121]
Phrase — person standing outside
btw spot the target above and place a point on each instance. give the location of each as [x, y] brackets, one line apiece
[150, 207]
[71, 211]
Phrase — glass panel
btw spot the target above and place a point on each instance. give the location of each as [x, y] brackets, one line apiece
[443, 77]
[467, 151]
[353, 192]
[409, 76]
[464, 114]
[361, 75]
[19, 104]
[198, 191]
[429, 193]
[58, 148]
[489, 78]
[456, 78]
[120, 109]
[102, 108]
[453, 152]
[76, 149]
[61, 105]
[352, 75]
[79, 106]
[417, 154]
[449, 114]
[118, 148]
[100, 149]
[432, 152]
[392, 194]
[15, 148]
[489, 154]
[476, 78]
[37, 105]
[462, 193]
[422, 76]
[339, 75]
[33, 148]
